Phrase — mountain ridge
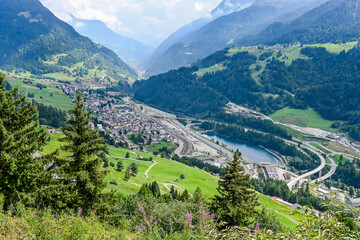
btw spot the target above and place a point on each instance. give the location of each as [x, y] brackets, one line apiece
[130, 50]
[31, 35]
[225, 31]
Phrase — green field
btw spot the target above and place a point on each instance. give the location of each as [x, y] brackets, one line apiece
[58, 98]
[301, 118]
[156, 147]
[60, 76]
[320, 148]
[302, 136]
[337, 159]
[167, 171]
[335, 48]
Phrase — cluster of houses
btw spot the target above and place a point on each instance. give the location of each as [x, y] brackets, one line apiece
[120, 120]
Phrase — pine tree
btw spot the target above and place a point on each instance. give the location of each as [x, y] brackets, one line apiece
[21, 175]
[83, 165]
[127, 155]
[128, 173]
[184, 196]
[134, 168]
[119, 166]
[236, 202]
[154, 187]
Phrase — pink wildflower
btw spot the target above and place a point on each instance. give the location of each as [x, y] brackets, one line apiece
[201, 229]
[156, 222]
[257, 229]
[191, 226]
[200, 207]
[79, 211]
[248, 231]
[141, 208]
[188, 217]
[212, 216]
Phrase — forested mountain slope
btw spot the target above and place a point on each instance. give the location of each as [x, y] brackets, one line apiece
[30, 36]
[327, 82]
[226, 30]
[334, 21]
[224, 8]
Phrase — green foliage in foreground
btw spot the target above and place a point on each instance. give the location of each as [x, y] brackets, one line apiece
[30, 224]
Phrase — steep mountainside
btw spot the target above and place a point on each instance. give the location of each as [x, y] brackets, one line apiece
[265, 80]
[224, 8]
[31, 37]
[334, 21]
[131, 51]
[225, 30]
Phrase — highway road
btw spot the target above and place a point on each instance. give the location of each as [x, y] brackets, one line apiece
[191, 132]
[294, 181]
[185, 146]
[329, 174]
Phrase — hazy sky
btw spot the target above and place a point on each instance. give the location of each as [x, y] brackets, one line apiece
[150, 21]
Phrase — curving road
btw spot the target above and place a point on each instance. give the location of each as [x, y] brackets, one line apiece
[147, 171]
[294, 181]
[191, 132]
[329, 174]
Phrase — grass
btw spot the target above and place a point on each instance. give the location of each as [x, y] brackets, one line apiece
[301, 118]
[156, 147]
[60, 76]
[283, 209]
[301, 136]
[168, 171]
[335, 48]
[336, 147]
[58, 98]
[337, 159]
[320, 148]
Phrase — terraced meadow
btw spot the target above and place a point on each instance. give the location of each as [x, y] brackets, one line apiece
[48, 96]
[168, 172]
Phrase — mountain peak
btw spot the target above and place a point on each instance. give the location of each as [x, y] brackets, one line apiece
[229, 6]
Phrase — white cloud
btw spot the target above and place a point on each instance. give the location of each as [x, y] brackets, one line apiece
[150, 21]
[79, 24]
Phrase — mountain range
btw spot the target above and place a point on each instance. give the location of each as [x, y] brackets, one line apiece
[334, 21]
[202, 37]
[270, 79]
[33, 39]
[131, 51]
[224, 8]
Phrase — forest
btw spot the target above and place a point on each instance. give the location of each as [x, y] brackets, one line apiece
[326, 82]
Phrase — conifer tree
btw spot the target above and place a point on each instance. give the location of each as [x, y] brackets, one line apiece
[21, 174]
[128, 173]
[134, 168]
[83, 165]
[119, 166]
[154, 187]
[236, 202]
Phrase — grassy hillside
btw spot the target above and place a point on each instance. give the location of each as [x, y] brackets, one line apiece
[56, 99]
[301, 118]
[168, 172]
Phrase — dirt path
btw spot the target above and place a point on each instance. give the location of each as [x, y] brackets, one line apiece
[147, 171]
[286, 217]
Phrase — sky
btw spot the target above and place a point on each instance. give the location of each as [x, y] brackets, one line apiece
[149, 21]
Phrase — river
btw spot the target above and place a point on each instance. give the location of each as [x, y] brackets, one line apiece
[252, 153]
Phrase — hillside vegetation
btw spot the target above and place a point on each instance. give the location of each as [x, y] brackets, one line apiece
[268, 80]
[34, 40]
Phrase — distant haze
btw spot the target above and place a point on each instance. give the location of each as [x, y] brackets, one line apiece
[149, 21]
